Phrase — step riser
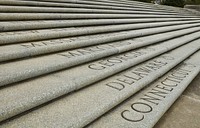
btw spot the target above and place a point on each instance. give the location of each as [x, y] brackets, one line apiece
[122, 2]
[101, 98]
[105, 4]
[15, 9]
[83, 63]
[140, 112]
[116, 4]
[181, 10]
[70, 80]
[53, 4]
[28, 25]
[22, 70]
[97, 3]
[46, 16]
[34, 35]
[132, 3]
[42, 47]
[45, 4]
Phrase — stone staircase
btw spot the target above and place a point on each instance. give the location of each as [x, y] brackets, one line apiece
[95, 64]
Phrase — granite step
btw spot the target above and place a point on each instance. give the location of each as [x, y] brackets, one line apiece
[28, 68]
[40, 90]
[160, 8]
[88, 2]
[53, 16]
[27, 9]
[16, 51]
[122, 2]
[184, 112]
[51, 4]
[141, 8]
[141, 4]
[82, 2]
[41, 24]
[82, 107]
[144, 109]
[35, 35]
[176, 9]
[57, 55]
[131, 4]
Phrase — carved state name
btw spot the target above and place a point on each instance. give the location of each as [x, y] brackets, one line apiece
[145, 104]
[72, 40]
[136, 74]
[110, 62]
[91, 50]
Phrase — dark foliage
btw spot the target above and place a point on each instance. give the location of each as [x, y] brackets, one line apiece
[176, 3]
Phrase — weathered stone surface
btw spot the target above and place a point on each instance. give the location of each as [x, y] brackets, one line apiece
[53, 16]
[71, 5]
[194, 89]
[127, 4]
[75, 10]
[38, 91]
[42, 47]
[145, 109]
[65, 63]
[184, 113]
[104, 3]
[33, 35]
[27, 25]
[21, 70]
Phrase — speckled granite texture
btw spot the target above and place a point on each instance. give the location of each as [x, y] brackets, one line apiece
[71, 63]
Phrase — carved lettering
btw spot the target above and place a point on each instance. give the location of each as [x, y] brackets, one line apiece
[42, 43]
[154, 96]
[96, 67]
[19, 33]
[169, 82]
[114, 60]
[150, 99]
[158, 92]
[128, 118]
[116, 85]
[141, 107]
[169, 89]
[138, 73]
[137, 109]
[126, 80]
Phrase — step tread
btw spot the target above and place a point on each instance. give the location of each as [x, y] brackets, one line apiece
[56, 55]
[145, 108]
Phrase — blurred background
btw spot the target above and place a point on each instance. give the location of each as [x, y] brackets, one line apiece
[176, 3]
